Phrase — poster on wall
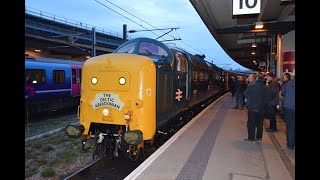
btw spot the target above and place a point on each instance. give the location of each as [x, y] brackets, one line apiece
[288, 62]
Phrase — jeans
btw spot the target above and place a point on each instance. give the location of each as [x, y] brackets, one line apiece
[289, 115]
[255, 120]
[239, 99]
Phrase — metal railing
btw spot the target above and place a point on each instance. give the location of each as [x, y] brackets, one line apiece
[67, 21]
[56, 31]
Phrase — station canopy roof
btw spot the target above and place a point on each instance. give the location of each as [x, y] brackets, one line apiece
[237, 33]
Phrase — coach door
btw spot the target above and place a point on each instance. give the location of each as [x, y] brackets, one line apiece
[75, 80]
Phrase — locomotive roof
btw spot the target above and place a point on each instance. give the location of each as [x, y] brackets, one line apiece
[52, 60]
[195, 59]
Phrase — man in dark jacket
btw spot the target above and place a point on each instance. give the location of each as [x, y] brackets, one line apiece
[240, 87]
[256, 96]
[273, 100]
[233, 84]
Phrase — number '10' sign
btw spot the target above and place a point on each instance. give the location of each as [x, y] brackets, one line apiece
[246, 7]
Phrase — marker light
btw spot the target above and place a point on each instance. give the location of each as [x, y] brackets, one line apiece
[94, 80]
[122, 80]
[105, 112]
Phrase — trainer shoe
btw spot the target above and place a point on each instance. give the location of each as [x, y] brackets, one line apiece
[252, 141]
[259, 140]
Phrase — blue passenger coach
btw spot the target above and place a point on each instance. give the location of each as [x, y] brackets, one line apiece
[51, 84]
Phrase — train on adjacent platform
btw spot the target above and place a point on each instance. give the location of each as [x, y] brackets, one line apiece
[128, 95]
[51, 84]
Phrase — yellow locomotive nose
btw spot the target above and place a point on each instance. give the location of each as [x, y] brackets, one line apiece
[119, 93]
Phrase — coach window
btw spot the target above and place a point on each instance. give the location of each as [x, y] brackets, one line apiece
[59, 76]
[181, 61]
[35, 76]
[128, 48]
[152, 49]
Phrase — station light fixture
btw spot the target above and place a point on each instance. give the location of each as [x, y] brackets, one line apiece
[253, 53]
[254, 45]
[259, 25]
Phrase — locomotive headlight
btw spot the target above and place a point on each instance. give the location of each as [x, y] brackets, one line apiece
[94, 80]
[105, 112]
[122, 80]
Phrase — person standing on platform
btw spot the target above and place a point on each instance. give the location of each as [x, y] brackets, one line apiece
[233, 84]
[256, 97]
[286, 78]
[289, 111]
[241, 86]
[273, 100]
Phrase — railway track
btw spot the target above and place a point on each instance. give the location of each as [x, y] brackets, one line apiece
[49, 114]
[49, 124]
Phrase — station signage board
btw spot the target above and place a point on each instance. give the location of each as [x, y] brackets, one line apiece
[241, 7]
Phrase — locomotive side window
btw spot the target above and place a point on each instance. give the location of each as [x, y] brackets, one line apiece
[59, 76]
[35, 76]
[152, 49]
[201, 76]
[206, 77]
[181, 61]
[74, 77]
[127, 48]
[195, 76]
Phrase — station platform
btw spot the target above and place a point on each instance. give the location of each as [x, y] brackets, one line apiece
[212, 147]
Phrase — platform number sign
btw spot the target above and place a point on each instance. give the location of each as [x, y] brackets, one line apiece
[246, 7]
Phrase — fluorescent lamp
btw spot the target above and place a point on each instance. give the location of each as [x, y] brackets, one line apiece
[254, 45]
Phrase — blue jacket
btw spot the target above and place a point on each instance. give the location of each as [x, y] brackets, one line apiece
[289, 93]
[256, 94]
